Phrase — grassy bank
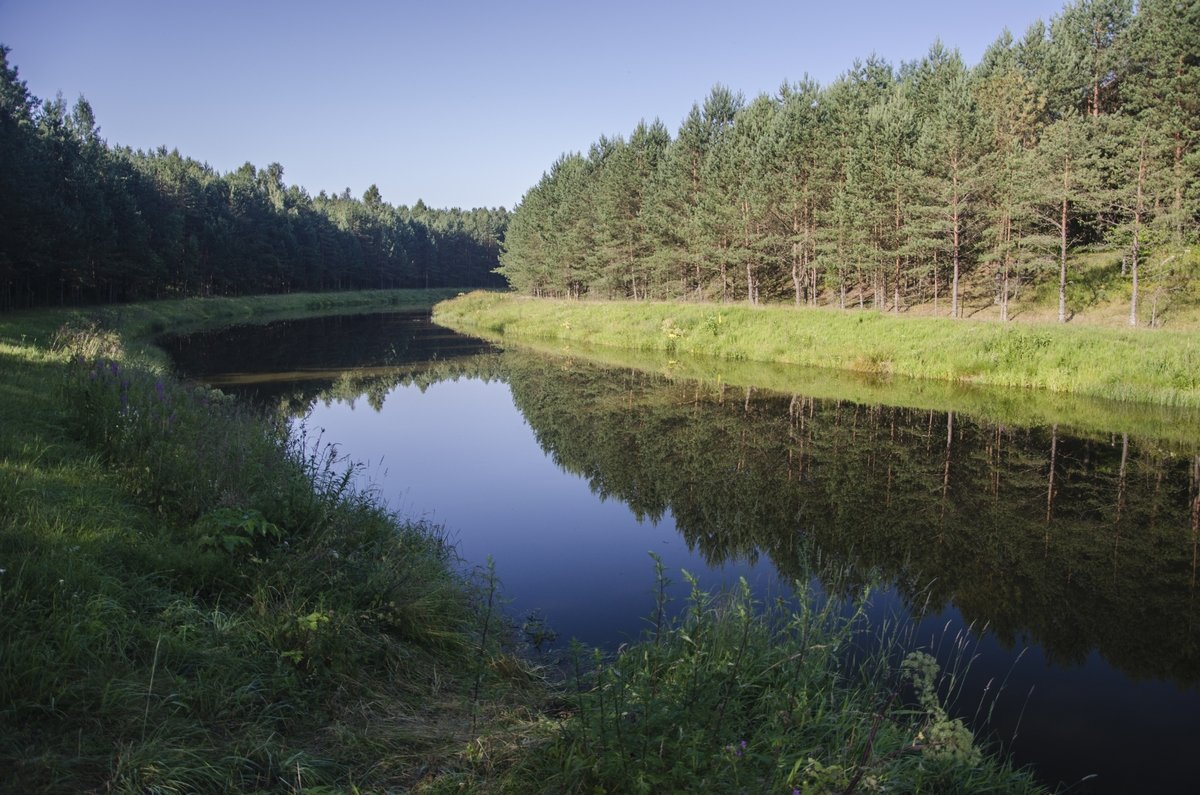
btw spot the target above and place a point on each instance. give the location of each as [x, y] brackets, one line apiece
[1158, 366]
[193, 600]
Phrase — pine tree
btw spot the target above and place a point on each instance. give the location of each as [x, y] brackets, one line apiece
[786, 169]
[949, 150]
[850, 234]
[1085, 61]
[1063, 181]
[1010, 109]
[1162, 90]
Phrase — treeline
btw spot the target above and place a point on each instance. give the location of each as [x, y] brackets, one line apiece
[894, 186]
[83, 222]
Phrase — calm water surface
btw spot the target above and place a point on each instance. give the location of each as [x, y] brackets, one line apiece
[1067, 558]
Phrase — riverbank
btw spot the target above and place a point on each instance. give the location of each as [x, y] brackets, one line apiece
[1158, 366]
[193, 600]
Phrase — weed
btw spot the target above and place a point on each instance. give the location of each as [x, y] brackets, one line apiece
[738, 697]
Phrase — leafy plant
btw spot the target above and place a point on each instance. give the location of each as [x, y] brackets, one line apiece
[232, 529]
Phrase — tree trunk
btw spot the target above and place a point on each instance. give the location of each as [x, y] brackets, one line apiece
[956, 231]
[1007, 259]
[1062, 259]
[1137, 230]
[896, 286]
[796, 272]
[935, 283]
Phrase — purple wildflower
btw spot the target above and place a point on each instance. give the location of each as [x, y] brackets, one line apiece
[160, 390]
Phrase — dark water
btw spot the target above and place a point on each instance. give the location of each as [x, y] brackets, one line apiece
[1067, 558]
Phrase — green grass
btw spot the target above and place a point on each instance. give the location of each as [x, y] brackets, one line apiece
[1159, 366]
[138, 324]
[193, 600]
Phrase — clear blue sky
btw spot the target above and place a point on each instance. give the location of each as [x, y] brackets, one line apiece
[458, 103]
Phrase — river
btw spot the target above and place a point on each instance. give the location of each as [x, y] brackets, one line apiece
[1048, 549]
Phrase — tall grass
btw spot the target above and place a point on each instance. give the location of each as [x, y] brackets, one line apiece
[194, 600]
[804, 697]
[1152, 366]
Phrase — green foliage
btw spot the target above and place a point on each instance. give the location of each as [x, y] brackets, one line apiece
[232, 530]
[736, 697]
[194, 601]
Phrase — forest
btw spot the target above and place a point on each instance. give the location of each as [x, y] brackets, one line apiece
[82, 221]
[890, 186]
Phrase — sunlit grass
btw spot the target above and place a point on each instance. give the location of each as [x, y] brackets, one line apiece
[1157, 366]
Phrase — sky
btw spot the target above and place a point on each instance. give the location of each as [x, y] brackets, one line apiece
[459, 103]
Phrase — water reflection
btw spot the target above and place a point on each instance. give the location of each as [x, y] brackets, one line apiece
[1069, 542]
[1080, 544]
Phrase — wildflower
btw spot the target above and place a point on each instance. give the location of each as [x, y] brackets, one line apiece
[160, 390]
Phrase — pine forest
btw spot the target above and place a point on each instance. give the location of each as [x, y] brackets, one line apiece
[85, 222]
[892, 187]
